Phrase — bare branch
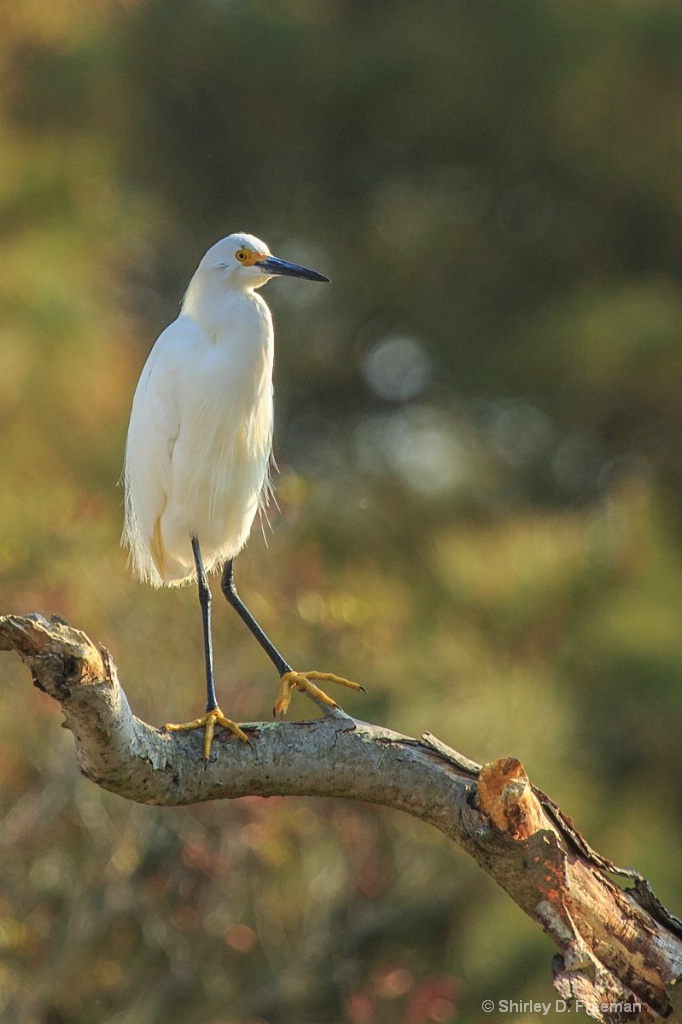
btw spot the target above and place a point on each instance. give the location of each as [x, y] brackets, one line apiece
[620, 950]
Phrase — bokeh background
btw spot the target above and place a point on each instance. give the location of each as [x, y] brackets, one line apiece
[479, 438]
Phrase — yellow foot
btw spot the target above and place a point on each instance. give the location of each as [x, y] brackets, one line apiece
[306, 681]
[208, 722]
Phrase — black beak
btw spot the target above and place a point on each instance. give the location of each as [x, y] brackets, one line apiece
[273, 265]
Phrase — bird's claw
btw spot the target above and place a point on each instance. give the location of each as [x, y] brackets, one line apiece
[306, 681]
[209, 722]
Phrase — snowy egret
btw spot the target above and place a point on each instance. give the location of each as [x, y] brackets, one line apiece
[199, 445]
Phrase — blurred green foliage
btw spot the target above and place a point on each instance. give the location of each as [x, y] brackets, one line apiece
[480, 440]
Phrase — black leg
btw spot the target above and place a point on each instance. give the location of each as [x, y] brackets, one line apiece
[205, 602]
[230, 591]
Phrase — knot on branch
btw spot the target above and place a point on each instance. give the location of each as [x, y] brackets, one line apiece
[506, 796]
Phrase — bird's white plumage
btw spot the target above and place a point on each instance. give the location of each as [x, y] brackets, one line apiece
[198, 449]
[200, 431]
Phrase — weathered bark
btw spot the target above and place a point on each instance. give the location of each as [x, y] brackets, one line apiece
[620, 951]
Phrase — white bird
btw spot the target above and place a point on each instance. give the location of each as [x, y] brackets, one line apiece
[199, 445]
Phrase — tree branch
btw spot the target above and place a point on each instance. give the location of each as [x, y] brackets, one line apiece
[620, 951]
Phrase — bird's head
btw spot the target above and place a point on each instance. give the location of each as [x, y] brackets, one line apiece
[245, 263]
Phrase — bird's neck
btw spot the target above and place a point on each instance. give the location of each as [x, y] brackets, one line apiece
[213, 306]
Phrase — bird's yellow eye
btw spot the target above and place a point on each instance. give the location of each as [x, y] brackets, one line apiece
[248, 257]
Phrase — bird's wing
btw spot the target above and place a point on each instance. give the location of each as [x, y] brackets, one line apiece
[153, 430]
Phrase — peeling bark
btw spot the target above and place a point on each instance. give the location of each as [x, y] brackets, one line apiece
[620, 950]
